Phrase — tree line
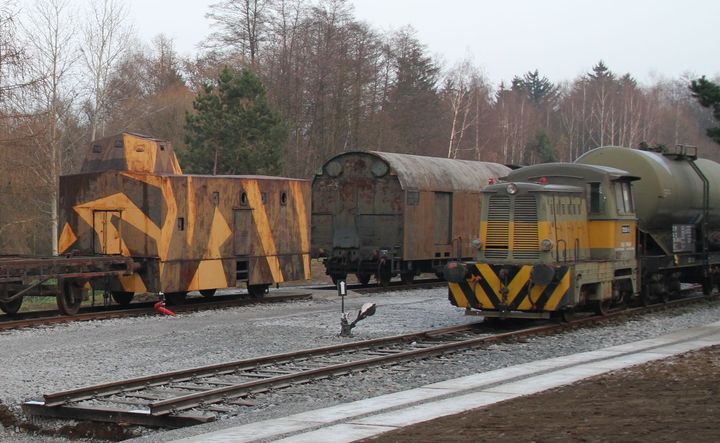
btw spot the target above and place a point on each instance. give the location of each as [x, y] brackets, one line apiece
[278, 87]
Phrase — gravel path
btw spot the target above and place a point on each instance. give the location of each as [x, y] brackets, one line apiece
[67, 356]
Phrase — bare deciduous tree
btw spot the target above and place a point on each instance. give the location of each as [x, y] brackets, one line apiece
[52, 44]
[243, 26]
[105, 39]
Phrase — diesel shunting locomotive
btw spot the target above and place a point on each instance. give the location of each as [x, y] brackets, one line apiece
[617, 224]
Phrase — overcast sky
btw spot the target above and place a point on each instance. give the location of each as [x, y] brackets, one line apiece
[560, 38]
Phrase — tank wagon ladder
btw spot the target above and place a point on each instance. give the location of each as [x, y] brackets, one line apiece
[707, 275]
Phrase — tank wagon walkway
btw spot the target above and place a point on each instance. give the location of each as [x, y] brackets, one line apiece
[374, 416]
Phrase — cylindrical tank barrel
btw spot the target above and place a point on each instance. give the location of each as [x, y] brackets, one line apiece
[669, 191]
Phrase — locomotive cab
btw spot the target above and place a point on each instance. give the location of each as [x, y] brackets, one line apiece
[553, 238]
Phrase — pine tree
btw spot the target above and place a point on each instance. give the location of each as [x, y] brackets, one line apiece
[413, 100]
[539, 90]
[708, 94]
[541, 148]
[233, 130]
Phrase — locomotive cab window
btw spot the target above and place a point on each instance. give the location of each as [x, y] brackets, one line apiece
[623, 198]
[596, 198]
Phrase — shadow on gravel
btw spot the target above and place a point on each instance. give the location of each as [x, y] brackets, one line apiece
[100, 431]
[7, 418]
[76, 431]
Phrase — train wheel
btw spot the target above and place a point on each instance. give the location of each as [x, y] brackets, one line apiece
[664, 297]
[175, 298]
[122, 298]
[363, 278]
[207, 293]
[70, 297]
[257, 291]
[602, 307]
[407, 277]
[707, 286]
[11, 307]
[567, 314]
[384, 275]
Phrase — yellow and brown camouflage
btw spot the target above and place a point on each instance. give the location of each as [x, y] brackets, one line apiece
[189, 232]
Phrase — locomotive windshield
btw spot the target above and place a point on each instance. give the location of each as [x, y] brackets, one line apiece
[623, 198]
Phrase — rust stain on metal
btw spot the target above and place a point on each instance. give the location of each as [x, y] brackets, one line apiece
[190, 232]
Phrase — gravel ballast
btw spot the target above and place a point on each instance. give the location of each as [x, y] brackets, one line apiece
[44, 360]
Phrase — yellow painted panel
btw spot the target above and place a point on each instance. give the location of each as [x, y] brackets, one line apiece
[67, 238]
[489, 275]
[132, 283]
[306, 266]
[130, 214]
[298, 198]
[140, 160]
[191, 212]
[459, 295]
[262, 224]
[153, 180]
[481, 296]
[211, 275]
[518, 282]
[608, 234]
[558, 293]
[274, 264]
[220, 232]
[168, 227]
[536, 292]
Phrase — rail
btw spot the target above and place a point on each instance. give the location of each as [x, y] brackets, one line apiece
[165, 399]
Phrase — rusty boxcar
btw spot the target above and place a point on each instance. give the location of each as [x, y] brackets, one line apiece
[387, 214]
[188, 232]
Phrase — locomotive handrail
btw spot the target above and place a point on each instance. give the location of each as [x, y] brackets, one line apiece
[557, 250]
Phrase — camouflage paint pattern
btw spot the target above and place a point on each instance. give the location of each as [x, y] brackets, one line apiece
[189, 232]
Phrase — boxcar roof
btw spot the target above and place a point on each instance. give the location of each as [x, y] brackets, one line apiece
[421, 173]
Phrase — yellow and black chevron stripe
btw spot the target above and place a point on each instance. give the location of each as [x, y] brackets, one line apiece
[486, 290]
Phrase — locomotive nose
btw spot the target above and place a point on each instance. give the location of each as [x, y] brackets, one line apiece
[455, 271]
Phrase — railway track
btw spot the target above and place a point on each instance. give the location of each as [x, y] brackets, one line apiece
[392, 287]
[197, 395]
[46, 318]
[136, 309]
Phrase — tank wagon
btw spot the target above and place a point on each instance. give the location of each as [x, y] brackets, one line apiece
[678, 210]
[617, 224]
[387, 214]
[186, 232]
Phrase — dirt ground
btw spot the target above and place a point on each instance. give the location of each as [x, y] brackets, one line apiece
[673, 400]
